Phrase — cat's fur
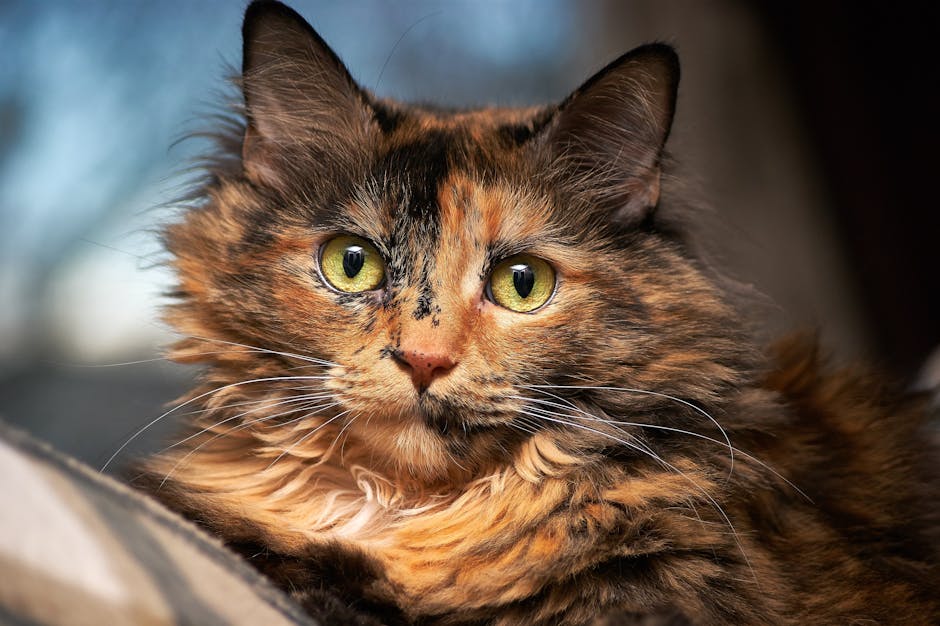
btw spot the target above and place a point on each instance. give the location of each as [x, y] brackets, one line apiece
[612, 497]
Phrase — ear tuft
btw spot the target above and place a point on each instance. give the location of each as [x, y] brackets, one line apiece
[609, 135]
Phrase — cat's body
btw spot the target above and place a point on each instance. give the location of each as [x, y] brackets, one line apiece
[464, 368]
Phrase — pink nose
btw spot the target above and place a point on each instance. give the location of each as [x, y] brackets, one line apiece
[424, 365]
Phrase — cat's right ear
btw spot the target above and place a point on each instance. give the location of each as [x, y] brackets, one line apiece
[297, 93]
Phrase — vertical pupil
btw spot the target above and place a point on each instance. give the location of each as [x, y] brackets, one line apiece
[523, 278]
[353, 258]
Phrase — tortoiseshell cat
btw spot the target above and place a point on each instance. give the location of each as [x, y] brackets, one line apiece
[465, 367]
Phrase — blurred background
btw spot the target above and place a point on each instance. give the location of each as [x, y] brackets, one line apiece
[809, 127]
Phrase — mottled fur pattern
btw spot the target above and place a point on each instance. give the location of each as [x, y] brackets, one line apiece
[623, 455]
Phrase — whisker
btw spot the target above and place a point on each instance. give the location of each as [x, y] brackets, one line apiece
[291, 400]
[199, 397]
[659, 394]
[671, 467]
[251, 402]
[305, 367]
[319, 409]
[629, 444]
[736, 449]
[570, 405]
[120, 364]
[691, 433]
[305, 437]
[524, 426]
[170, 359]
[309, 359]
[637, 442]
[342, 450]
[242, 426]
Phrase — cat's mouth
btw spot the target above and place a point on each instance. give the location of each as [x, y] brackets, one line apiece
[450, 418]
[438, 414]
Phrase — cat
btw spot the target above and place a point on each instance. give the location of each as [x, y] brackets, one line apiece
[467, 367]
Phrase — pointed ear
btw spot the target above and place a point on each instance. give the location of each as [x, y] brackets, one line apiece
[608, 136]
[296, 91]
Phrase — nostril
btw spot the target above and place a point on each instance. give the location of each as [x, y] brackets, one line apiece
[430, 361]
[424, 366]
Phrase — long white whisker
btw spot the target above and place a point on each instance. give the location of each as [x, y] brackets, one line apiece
[246, 425]
[308, 399]
[122, 363]
[691, 433]
[525, 425]
[637, 442]
[569, 405]
[342, 449]
[250, 350]
[668, 465]
[694, 407]
[254, 402]
[305, 367]
[319, 409]
[199, 397]
[294, 355]
[304, 438]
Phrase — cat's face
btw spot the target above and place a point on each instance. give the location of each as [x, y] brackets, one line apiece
[446, 262]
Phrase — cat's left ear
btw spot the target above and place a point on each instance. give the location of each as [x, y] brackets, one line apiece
[607, 138]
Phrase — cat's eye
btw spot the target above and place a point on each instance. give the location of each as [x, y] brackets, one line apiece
[521, 283]
[351, 264]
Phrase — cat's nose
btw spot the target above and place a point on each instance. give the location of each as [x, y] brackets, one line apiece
[424, 364]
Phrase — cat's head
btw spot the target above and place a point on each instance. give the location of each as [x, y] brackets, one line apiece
[448, 262]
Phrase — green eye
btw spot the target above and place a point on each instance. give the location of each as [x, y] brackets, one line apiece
[521, 283]
[351, 264]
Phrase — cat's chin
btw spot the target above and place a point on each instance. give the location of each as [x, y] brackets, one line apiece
[432, 442]
[405, 446]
